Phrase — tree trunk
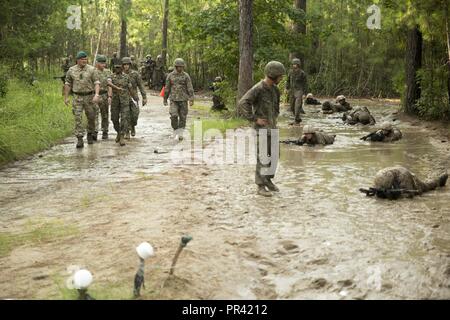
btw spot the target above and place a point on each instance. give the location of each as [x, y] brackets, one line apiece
[447, 27]
[413, 64]
[125, 4]
[164, 32]
[245, 47]
[299, 28]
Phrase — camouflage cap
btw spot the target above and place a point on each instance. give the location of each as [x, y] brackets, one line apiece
[386, 126]
[101, 58]
[340, 98]
[81, 55]
[296, 61]
[179, 63]
[126, 60]
[308, 129]
[274, 69]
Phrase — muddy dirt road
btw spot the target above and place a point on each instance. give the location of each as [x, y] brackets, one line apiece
[319, 238]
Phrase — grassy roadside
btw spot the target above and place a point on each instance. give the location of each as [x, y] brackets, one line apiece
[32, 118]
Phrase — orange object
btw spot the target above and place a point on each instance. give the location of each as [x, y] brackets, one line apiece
[161, 94]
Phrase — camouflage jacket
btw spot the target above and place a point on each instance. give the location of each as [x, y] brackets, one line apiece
[263, 102]
[319, 138]
[136, 82]
[103, 77]
[82, 80]
[178, 87]
[393, 135]
[297, 81]
[122, 81]
[353, 117]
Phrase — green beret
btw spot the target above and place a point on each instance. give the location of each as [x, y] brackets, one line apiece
[81, 54]
[101, 58]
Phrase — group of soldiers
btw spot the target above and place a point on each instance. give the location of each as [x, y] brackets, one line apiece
[154, 72]
[97, 90]
[261, 106]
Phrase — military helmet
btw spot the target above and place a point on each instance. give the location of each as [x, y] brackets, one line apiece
[340, 98]
[126, 60]
[364, 118]
[218, 79]
[132, 57]
[309, 96]
[386, 126]
[179, 63]
[148, 56]
[274, 69]
[296, 61]
[171, 68]
[309, 129]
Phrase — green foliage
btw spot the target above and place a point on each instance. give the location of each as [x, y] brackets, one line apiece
[3, 84]
[433, 103]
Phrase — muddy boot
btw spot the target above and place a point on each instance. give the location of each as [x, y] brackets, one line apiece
[443, 180]
[94, 136]
[271, 186]
[122, 140]
[133, 131]
[302, 111]
[127, 135]
[90, 138]
[80, 143]
[118, 138]
[105, 135]
[263, 192]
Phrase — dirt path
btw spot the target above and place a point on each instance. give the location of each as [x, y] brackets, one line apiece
[319, 238]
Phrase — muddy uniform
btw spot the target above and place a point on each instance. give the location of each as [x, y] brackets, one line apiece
[318, 138]
[383, 136]
[149, 67]
[82, 82]
[136, 83]
[158, 74]
[297, 85]
[263, 102]
[312, 101]
[401, 178]
[329, 108]
[120, 106]
[179, 90]
[103, 108]
[359, 115]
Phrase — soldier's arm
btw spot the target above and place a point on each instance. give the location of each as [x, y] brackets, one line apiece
[305, 85]
[141, 87]
[167, 89]
[190, 88]
[67, 86]
[277, 104]
[245, 105]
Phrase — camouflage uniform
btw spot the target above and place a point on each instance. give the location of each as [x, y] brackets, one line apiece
[385, 135]
[114, 61]
[297, 85]
[218, 103]
[263, 102]
[179, 90]
[149, 67]
[158, 74]
[82, 82]
[399, 177]
[120, 106]
[318, 138]
[329, 108]
[359, 115]
[136, 83]
[102, 108]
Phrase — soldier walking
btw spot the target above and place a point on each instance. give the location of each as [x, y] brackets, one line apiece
[82, 80]
[102, 108]
[296, 85]
[136, 83]
[261, 106]
[179, 90]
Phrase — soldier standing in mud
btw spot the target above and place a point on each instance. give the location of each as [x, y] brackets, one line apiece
[392, 183]
[296, 85]
[120, 106]
[136, 83]
[218, 103]
[179, 90]
[261, 106]
[149, 67]
[158, 74]
[102, 109]
[82, 80]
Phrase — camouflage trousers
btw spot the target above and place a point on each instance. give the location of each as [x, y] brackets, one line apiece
[134, 113]
[120, 114]
[84, 104]
[265, 169]
[178, 113]
[296, 103]
[102, 112]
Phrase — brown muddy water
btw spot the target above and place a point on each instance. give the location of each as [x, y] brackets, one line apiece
[319, 238]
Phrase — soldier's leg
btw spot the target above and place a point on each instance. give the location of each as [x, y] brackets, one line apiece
[124, 117]
[77, 110]
[261, 176]
[90, 111]
[134, 109]
[173, 110]
[298, 106]
[183, 112]
[291, 102]
[97, 117]
[104, 110]
[115, 114]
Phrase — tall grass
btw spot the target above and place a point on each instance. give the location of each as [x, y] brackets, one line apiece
[32, 118]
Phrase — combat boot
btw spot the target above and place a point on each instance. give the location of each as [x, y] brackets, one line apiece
[127, 135]
[271, 186]
[263, 192]
[122, 140]
[80, 143]
[443, 180]
[133, 131]
[105, 135]
[95, 136]
[118, 138]
[90, 138]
